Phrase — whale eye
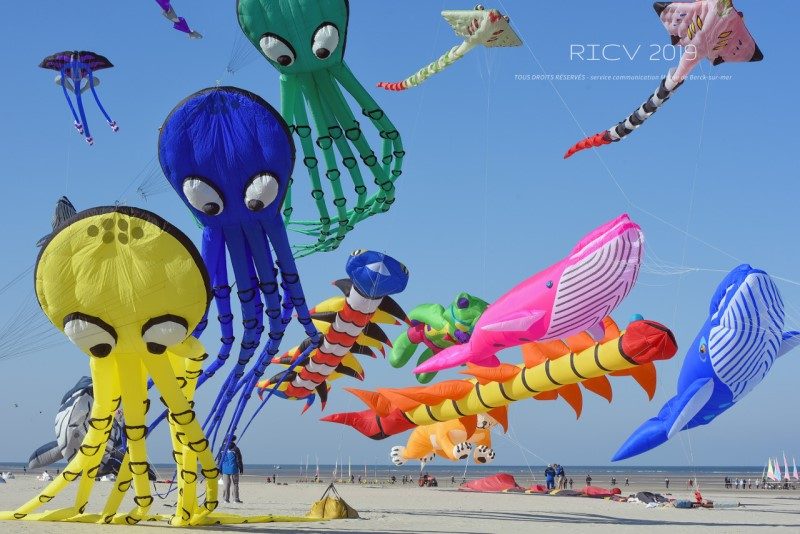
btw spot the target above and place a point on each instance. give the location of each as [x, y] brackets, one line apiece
[326, 40]
[261, 192]
[165, 331]
[405, 269]
[277, 49]
[92, 335]
[703, 346]
[203, 196]
[358, 252]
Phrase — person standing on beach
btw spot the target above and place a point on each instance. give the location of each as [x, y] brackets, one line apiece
[232, 466]
[666, 482]
[562, 477]
[550, 477]
[588, 480]
[570, 482]
[627, 481]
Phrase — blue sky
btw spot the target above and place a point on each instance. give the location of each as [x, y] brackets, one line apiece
[485, 201]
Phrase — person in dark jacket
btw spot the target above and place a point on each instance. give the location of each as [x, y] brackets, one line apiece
[232, 466]
[550, 477]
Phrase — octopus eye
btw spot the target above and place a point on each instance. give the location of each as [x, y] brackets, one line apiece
[203, 196]
[165, 331]
[326, 39]
[277, 49]
[463, 303]
[261, 191]
[90, 334]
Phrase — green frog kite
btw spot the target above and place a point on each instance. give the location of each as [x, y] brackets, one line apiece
[437, 328]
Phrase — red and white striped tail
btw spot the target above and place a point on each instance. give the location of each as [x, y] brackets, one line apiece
[393, 86]
[594, 141]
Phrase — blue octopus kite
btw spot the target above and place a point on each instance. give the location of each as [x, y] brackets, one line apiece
[229, 155]
[76, 75]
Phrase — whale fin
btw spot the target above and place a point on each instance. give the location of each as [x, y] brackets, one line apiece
[516, 322]
[672, 418]
[598, 332]
[791, 340]
[691, 401]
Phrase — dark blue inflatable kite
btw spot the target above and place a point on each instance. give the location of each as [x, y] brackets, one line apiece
[732, 354]
[229, 155]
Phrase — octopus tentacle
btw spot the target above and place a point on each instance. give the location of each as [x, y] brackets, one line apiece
[132, 381]
[393, 144]
[330, 133]
[303, 130]
[102, 410]
[189, 432]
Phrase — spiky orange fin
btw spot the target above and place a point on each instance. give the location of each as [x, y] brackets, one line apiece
[546, 396]
[536, 353]
[572, 394]
[600, 386]
[470, 423]
[579, 342]
[373, 400]
[612, 329]
[398, 400]
[645, 376]
[437, 393]
[501, 416]
[487, 375]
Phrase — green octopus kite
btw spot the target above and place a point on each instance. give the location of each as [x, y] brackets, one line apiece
[437, 328]
[305, 40]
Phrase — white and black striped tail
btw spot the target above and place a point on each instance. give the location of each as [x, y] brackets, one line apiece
[636, 119]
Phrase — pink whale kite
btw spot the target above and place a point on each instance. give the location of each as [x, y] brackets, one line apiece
[572, 296]
[706, 29]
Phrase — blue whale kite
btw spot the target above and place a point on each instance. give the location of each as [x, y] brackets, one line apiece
[732, 354]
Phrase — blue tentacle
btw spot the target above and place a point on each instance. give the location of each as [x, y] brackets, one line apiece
[78, 123]
[111, 122]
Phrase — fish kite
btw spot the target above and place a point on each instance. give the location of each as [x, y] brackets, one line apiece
[350, 326]
[71, 426]
[733, 352]
[573, 295]
[392, 411]
[479, 26]
[710, 29]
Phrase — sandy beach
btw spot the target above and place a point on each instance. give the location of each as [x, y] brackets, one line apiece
[400, 509]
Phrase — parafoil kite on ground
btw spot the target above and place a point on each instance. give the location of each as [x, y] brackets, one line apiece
[392, 411]
[76, 75]
[349, 326]
[437, 328]
[71, 426]
[179, 23]
[128, 288]
[453, 440]
[478, 27]
[305, 40]
[707, 29]
[573, 295]
[229, 155]
[733, 352]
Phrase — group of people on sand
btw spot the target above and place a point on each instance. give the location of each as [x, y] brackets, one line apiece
[555, 477]
[756, 483]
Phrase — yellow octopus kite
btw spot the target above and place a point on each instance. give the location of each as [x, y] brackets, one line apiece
[128, 288]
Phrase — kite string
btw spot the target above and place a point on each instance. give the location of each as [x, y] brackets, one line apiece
[628, 200]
